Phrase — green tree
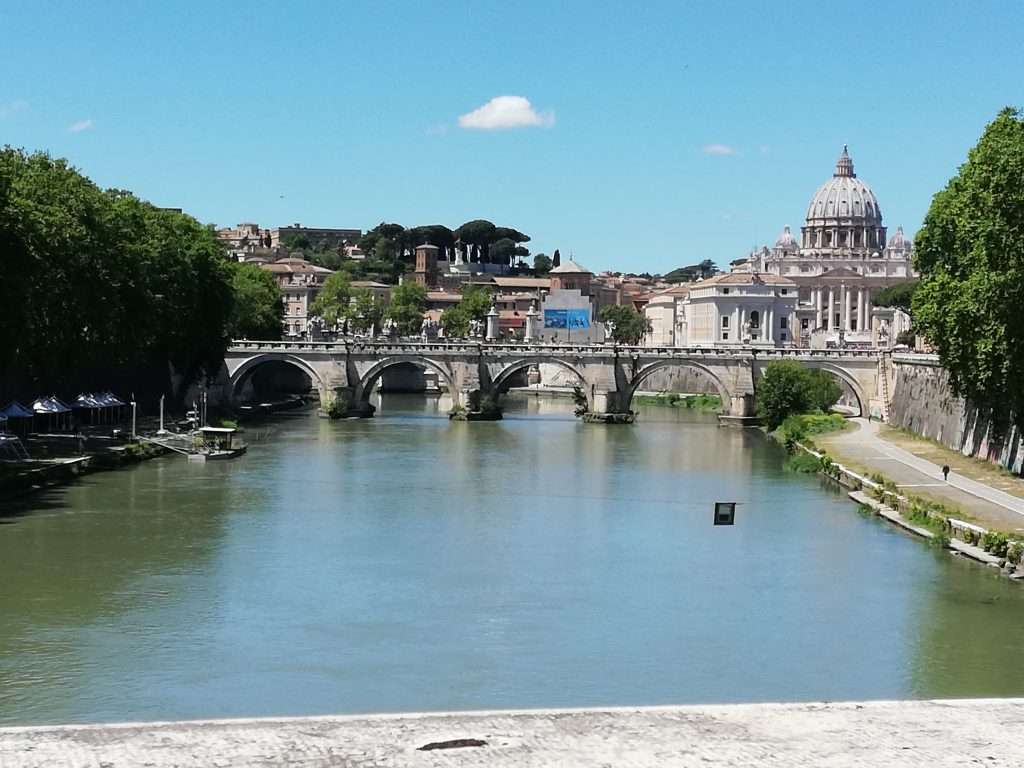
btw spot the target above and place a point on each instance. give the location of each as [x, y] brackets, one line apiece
[781, 392]
[821, 390]
[406, 309]
[628, 325]
[788, 388]
[102, 285]
[692, 273]
[502, 251]
[435, 234]
[476, 302]
[258, 305]
[899, 295]
[556, 260]
[364, 311]
[332, 303]
[970, 253]
[297, 242]
[479, 234]
[455, 322]
[541, 264]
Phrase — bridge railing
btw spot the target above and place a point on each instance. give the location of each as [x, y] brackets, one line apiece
[418, 346]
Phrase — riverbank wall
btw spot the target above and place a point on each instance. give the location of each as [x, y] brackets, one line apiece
[883, 500]
[839, 735]
[923, 403]
[20, 481]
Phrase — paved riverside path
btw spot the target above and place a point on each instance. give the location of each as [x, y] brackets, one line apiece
[916, 475]
[914, 733]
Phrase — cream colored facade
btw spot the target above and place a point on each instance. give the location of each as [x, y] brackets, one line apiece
[736, 308]
[300, 282]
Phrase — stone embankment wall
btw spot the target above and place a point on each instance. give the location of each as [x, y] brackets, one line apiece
[690, 381]
[923, 403]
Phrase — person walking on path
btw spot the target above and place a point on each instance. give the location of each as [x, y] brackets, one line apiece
[945, 472]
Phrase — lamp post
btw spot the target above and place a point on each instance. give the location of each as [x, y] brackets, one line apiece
[161, 431]
[134, 408]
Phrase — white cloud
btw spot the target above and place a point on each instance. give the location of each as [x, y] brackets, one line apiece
[11, 108]
[719, 149]
[506, 112]
[81, 125]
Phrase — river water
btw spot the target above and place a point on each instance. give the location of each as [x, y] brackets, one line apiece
[411, 563]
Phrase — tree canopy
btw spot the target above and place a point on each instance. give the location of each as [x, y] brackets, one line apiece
[899, 296]
[541, 264]
[101, 285]
[406, 308]
[332, 302]
[970, 254]
[627, 325]
[787, 388]
[365, 310]
[475, 304]
[692, 273]
[258, 306]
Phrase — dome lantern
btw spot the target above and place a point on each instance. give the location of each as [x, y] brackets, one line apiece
[844, 165]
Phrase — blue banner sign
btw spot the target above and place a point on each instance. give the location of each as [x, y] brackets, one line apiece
[572, 319]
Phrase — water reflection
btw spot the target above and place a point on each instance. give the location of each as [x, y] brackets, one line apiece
[407, 562]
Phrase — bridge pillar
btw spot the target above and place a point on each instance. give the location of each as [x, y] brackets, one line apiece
[742, 406]
[342, 401]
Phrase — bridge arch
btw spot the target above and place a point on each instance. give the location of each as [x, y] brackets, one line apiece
[843, 376]
[647, 370]
[513, 368]
[245, 370]
[372, 374]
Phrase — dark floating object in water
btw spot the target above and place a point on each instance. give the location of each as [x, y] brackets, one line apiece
[452, 744]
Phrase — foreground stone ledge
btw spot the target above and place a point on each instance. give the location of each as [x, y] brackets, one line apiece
[917, 733]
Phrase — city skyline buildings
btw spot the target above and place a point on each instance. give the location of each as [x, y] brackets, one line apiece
[639, 139]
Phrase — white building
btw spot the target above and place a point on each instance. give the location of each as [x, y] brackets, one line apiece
[741, 308]
[666, 313]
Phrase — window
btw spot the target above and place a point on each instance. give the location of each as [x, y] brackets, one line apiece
[725, 291]
[755, 319]
[725, 335]
[725, 321]
[784, 291]
[782, 337]
[805, 323]
[782, 322]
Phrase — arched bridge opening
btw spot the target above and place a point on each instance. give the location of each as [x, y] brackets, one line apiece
[687, 377]
[270, 378]
[853, 399]
[521, 373]
[405, 374]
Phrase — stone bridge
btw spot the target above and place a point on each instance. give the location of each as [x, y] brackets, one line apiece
[608, 375]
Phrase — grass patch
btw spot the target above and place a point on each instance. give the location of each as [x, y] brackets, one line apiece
[895, 434]
[802, 462]
[800, 428]
[699, 402]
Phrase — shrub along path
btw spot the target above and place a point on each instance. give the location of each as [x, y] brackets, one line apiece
[865, 449]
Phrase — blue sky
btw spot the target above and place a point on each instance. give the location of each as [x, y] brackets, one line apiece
[657, 134]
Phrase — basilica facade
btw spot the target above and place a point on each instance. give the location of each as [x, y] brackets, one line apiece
[840, 259]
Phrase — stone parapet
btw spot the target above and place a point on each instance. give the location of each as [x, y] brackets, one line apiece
[848, 735]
